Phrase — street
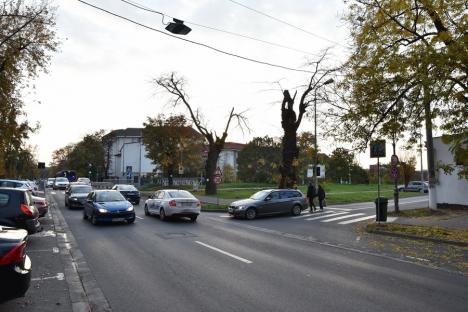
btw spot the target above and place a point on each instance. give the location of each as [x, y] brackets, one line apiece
[270, 264]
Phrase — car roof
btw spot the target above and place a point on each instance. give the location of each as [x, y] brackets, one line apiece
[13, 189]
[103, 191]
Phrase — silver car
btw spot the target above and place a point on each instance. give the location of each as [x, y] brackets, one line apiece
[269, 202]
[173, 203]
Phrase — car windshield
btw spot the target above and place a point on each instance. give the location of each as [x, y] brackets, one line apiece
[127, 188]
[260, 195]
[81, 189]
[109, 197]
[61, 180]
[180, 194]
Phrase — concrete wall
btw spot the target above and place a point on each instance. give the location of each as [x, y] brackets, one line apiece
[450, 189]
[132, 153]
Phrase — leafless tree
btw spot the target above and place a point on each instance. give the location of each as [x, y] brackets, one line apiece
[175, 85]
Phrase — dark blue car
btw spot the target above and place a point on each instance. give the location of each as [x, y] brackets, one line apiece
[108, 206]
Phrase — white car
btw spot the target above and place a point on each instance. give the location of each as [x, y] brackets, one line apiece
[173, 203]
[60, 183]
[50, 182]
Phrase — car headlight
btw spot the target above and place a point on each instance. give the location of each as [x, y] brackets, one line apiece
[102, 210]
[130, 208]
[241, 207]
[74, 198]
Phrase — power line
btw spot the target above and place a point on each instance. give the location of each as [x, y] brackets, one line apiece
[195, 42]
[145, 8]
[286, 23]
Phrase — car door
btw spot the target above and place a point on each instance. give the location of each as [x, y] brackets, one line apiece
[270, 204]
[88, 205]
[285, 202]
[152, 202]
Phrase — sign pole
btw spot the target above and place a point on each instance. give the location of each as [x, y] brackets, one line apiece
[378, 189]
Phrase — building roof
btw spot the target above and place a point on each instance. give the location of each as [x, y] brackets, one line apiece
[233, 146]
[128, 132]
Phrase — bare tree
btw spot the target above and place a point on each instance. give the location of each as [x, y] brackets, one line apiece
[175, 86]
[290, 122]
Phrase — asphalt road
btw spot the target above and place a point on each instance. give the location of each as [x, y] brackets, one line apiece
[269, 264]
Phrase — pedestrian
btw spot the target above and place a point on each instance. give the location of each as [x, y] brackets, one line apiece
[311, 193]
[321, 196]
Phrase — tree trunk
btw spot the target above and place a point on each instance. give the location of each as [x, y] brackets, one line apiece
[430, 150]
[210, 169]
[170, 174]
[289, 143]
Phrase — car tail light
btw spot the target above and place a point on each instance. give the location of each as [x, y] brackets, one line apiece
[13, 256]
[26, 210]
[173, 203]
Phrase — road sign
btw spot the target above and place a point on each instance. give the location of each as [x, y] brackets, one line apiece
[394, 160]
[217, 179]
[377, 149]
[394, 172]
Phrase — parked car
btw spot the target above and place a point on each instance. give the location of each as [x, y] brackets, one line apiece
[41, 204]
[173, 203]
[15, 265]
[269, 202]
[60, 183]
[129, 192]
[415, 186]
[108, 206]
[76, 194]
[86, 181]
[17, 210]
[50, 182]
[23, 185]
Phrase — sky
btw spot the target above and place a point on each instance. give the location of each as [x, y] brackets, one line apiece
[101, 78]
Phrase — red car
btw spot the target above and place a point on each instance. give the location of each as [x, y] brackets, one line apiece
[41, 204]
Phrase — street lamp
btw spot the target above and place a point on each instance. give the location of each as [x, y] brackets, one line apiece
[315, 130]
[178, 27]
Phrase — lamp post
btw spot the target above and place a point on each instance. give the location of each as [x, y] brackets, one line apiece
[315, 130]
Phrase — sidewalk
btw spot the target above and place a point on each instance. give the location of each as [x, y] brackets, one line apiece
[452, 222]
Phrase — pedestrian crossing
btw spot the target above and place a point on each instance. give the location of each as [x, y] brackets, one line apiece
[339, 216]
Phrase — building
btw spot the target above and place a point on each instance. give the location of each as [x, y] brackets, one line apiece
[449, 189]
[127, 155]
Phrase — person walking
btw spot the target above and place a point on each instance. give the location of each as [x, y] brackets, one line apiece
[321, 196]
[311, 193]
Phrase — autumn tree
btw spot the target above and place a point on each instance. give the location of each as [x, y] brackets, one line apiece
[407, 166]
[409, 60]
[259, 160]
[175, 86]
[171, 142]
[312, 94]
[305, 144]
[27, 40]
[88, 155]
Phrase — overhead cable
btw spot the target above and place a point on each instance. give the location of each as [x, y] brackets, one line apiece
[195, 42]
[286, 23]
[145, 8]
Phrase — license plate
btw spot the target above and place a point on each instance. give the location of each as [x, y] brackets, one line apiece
[118, 219]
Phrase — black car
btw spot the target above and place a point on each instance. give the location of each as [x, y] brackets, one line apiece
[75, 195]
[17, 210]
[15, 266]
[129, 192]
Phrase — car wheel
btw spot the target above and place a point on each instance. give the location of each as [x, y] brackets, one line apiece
[147, 213]
[193, 218]
[162, 215]
[250, 214]
[94, 221]
[296, 210]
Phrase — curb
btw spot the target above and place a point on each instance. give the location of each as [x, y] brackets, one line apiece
[85, 294]
[431, 239]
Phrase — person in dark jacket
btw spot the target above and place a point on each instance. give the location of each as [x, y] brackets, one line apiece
[321, 196]
[311, 193]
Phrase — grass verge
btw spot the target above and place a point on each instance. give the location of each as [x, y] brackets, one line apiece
[214, 207]
[430, 232]
[415, 213]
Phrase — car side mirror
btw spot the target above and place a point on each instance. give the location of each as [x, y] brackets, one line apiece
[268, 198]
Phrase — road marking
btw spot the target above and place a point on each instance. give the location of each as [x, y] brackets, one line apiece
[312, 214]
[342, 209]
[59, 276]
[343, 217]
[326, 216]
[53, 193]
[357, 220]
[224, 252]
[45, 234]
[225, 216]
[139, 217]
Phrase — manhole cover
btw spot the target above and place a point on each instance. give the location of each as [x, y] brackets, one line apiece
[175, 235]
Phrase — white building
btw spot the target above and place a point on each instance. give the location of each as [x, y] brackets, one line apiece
[229, 154]
[128, 154]
[449, 189]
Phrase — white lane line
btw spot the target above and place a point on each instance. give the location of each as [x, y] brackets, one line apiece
[59, 276]
[224, 216]
[139, 217]
[357, 220]
[343, 217]
[326, 216]
[224, 252]
[312, 214]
